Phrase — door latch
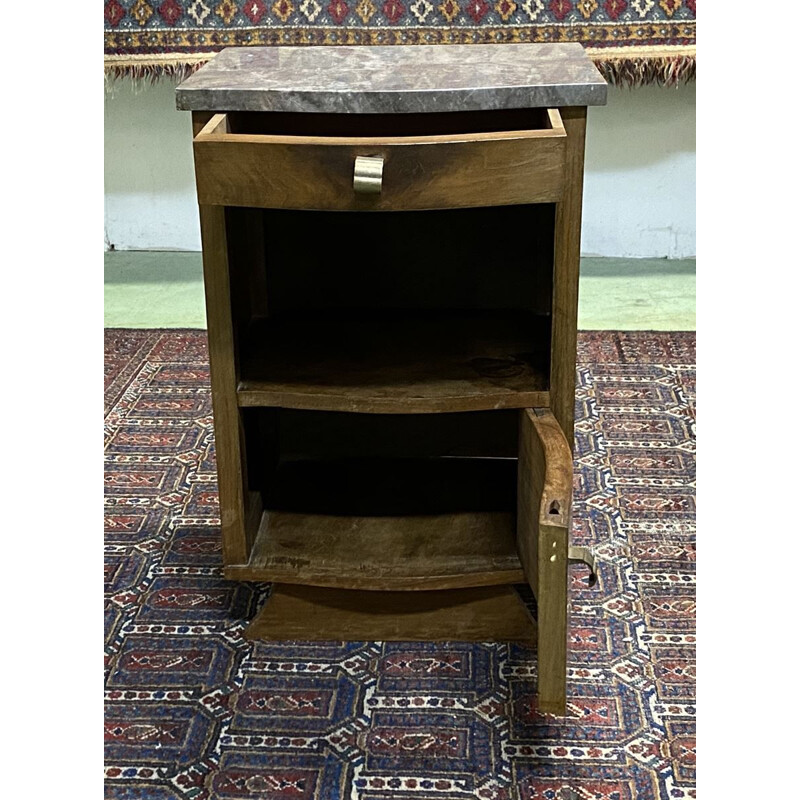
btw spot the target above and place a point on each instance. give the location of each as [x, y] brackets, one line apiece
[583, 555]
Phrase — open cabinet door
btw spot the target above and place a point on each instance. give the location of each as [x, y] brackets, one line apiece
[544, 505]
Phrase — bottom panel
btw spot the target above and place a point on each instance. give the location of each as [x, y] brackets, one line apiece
[309, 613]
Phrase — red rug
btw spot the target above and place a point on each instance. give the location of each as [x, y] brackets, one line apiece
[194, 711]
[631, 41]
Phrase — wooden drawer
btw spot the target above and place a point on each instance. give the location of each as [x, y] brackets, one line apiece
[454, 170]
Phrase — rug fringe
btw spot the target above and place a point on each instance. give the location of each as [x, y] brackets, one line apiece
[149, 74]
[663, 70]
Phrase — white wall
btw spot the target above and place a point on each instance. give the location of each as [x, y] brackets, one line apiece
[639, 190]
[149, 177]
[639, 195]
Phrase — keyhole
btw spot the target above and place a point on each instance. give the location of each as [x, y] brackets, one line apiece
[555, 507]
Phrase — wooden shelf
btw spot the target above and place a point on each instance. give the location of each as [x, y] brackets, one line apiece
[441, 551]
[395, 364]
[388, 524]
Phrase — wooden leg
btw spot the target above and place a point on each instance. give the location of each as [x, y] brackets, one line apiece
[239, 510]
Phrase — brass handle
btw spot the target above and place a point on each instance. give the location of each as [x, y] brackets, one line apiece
[583, 555]
[368, 174]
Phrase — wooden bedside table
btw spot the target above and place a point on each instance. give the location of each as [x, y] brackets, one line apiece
[390, 244]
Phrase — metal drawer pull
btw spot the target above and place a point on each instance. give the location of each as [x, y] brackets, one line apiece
[368, 174]
[583, 555]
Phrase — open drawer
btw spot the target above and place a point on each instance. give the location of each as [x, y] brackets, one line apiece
[235, 166]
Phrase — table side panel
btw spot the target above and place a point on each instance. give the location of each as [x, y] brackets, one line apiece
[566, 270]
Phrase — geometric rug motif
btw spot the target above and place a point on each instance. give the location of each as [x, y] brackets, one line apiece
[196, 712]
[632, 41]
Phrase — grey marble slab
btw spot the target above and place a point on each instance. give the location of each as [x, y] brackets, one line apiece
[394, 79]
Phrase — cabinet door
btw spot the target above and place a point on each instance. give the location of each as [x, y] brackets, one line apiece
[544, 504]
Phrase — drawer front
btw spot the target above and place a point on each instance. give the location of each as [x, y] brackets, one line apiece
[379, 173]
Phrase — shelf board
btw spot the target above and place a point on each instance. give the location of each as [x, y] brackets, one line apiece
[395, 364]
[402, 553]
[388, 524]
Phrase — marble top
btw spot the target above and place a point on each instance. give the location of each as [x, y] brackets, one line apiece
[394, 79]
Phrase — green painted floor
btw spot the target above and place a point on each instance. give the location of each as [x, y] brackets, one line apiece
[636, 294]
[165, 290]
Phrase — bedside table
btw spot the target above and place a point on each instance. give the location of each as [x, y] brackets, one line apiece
[391, 249]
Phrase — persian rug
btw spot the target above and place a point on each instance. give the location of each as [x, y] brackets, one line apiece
[196, 712]
[632, 41]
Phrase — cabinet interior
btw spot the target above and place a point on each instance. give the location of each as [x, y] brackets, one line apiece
[367, 125]
[352, 315]
[436, 304]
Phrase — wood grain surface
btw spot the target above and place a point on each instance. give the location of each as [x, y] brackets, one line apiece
[544, 505]
[409, 552]
[566, 270]
[420, 172]
[401, 363]
[239, 508]
[306, 613]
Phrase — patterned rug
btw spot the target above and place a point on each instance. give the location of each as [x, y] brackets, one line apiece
[632, 41]
[194, 711]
